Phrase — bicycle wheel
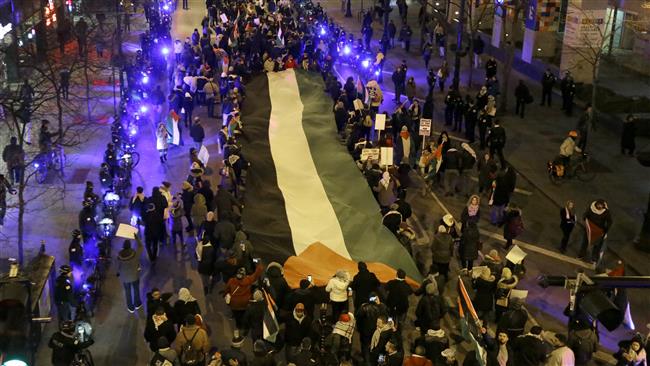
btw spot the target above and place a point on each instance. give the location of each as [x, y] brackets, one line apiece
[584, 174]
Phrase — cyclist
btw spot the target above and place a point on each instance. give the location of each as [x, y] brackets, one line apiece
[45, 137]
[567, 149]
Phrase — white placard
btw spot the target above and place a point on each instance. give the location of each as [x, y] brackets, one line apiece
[425, 127]
[380, 122]
[372, 154]
[176, 134]
[256, 21]
[386, 156]
[224, 18]
[358, 105]
[518, 294]
[126, 231]
[203, 155]
[516, 255]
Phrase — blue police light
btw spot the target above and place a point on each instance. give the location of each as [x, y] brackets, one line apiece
[365, 64]
[166, 7]
[86, 286]
[377, 73]
[143, 109]
[165, 51]
[346, 50]
[322, 31]
[133, 132]
[36, 165]
[145, 79]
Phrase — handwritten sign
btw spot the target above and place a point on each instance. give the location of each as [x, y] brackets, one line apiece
[425, 127]
[372, 154]
[386, 156]
[380, 122]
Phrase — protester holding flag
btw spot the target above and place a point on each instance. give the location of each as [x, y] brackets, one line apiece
[238, 292]
[597, 220]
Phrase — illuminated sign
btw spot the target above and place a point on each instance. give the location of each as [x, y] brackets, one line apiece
[50, 13]
[4, 29]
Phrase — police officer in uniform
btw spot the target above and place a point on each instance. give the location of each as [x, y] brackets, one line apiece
[63, 293]
[548, 81]
[568, 88]
[76, 250]
[65, 344]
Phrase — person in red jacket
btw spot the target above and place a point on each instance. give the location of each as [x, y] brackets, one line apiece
[238, 292]
[417, 358]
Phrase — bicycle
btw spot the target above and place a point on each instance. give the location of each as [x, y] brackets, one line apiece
[580, 169]
[46, 161]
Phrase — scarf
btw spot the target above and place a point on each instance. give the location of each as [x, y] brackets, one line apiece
[158, 320]
[472, 210]
[502, 356]
[185, 296]
[299, 320]
[596, 210]
[406, 146]
[375, 336]
[345, 329]
[385, 180]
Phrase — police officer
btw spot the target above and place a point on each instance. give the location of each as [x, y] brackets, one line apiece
[548, 81]
[568, 88]
[64, 294]
[471, 116]
[65, 344]
[450, 106]
[110, 158]
[87, 222]
[76, 250]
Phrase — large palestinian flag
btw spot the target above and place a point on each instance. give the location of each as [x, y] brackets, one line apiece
[307, 204]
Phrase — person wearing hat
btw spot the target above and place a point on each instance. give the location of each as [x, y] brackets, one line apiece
[493, 261]
[337, 287]
[87, 222]
[485, 285]
[598, 220]
[65, 345]
[238, 292]
[392, 219]
[234, 352]
[449, 357]
[64, 294]
[76, 250]
[430, 308]
[507, 281]
[197, 133]
[469, 245]
[442, 247]
[254, 316]
[188, 107]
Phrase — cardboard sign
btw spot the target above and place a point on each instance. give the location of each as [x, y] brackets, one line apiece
[386, 156]
[126, 231]
[358, 105]
[425, 127]
[518, 294]
[224, 18]
[380, 122]
[516, 255]
[372, 154]
[204, 156]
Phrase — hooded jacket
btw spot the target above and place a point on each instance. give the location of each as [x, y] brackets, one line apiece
[199, 210]
[128, 263]
[279, 286]
[601, 218]
[338, 287]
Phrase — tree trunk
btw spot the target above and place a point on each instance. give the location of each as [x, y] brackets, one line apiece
[594, 83]
[21, 218]
[89, 113]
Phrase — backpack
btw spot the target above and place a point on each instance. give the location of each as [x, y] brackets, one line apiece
[559, 170]
[189, 355]
[160, 360]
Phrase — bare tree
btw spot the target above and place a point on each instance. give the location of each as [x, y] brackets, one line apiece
[516, 7]
[476, 11]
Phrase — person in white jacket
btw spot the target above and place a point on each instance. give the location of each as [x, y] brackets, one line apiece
[338, 290]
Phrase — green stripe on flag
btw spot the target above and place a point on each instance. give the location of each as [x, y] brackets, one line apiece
[356, 208]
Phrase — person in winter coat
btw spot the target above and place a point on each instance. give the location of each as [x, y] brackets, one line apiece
[628, 135]
[529, 349]
[410, 89]
[158, 325]
[366, 317]
[297, 327]
[187, 196]
[485, 287]
[434, 341]
[513, 224]
[405, 151]
[188, 106]
[177, 212]
[442, 248]
[487, 172]
[278, 284]
[469, 245]
[430, 309]
[137, 206]
[493, 261]
[507, 282]
[567, 223]
[514, 320]
[337, 287]
[197, 133]
[156, 299]
[522, 96]
[397, 299]
[499, 352]
[598, 220]
[165, 353]
[185, 306]
[502, 187]
[383, 333]
[562, 355]
[418, 358]
[363, 284]
[472, 211]
[76, 250]
[303, 295]
[206, 255]
[385, 190]
[253, 318]
[162, 144]
[128, 269]
[238, 292]
[199, 213]
[584, 343]
[192, 333]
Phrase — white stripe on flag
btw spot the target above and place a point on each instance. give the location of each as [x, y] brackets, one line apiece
[309, 211]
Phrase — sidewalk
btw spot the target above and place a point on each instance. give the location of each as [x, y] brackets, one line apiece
[536, 139]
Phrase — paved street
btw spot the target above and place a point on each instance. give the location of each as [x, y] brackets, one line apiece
[531, 142]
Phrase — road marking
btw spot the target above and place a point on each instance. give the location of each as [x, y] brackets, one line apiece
[517, 190]
[521, 244]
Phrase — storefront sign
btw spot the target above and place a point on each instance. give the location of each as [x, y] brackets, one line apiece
[585, 28]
